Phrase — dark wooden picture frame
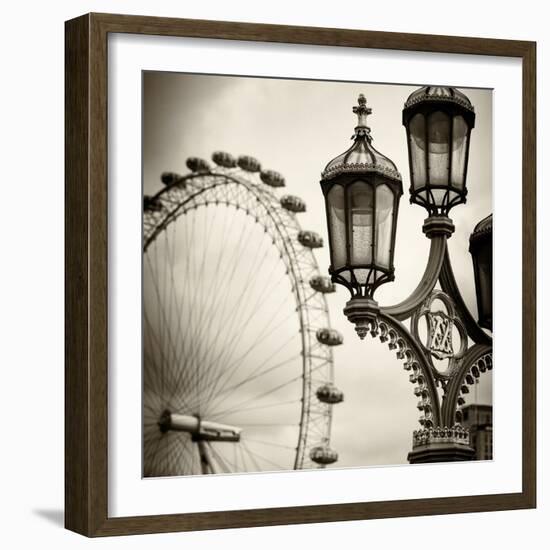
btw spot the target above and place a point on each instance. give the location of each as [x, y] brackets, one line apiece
[86, 283]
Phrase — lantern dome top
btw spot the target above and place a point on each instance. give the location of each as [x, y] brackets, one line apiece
[439, 93]
[361, 157]
[482, 231]
[484, 226]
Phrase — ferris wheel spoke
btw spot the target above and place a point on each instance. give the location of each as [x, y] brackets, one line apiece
[264, 332]
[197, 339]
[166, 334]
[232, 309]
[179, 459]
[267, 424]
[257, 397]
[216, 284]
[150, 436]
[186, 342]
[219, 458]
[153, 402]
[259, 371]
[253, 309]
[233, 319]
[215, 389]
[252, 458]
[224, 392]
[191, 366]
[152, 333]
[255, 408]
[186, 292]
[253, 313]
[242, 457]
[235, 363]
[167, 294]
[231, 463]
[165, 337]
[151, 374]
[151, 409]
[240, 304]
[176, 458]
[227, 366]
[270, 444]
[252, 454]
[153, 455]
[153, 370]
[176, 301]
[159, 457]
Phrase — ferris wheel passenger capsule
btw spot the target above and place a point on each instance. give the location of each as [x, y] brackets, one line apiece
[323, 455]
[293, 203]
[196, 164]
[151, 204]
[224, 159]
[330, 394]
[310, 239]
[323, 284]
[170, 178]
[329, 337]
[249, 164]
[272, 178]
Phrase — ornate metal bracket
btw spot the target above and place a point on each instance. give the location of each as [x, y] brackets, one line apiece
[404, 309]
[392, 332]
[441, 430]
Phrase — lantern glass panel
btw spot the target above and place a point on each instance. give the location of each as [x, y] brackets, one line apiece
[361, 214]
[384, 223]
[438, 195]
[336, 218]
[484, 266]
[460, 134]
[417, 145]
[438, 139]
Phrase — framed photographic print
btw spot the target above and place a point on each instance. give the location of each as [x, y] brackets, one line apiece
[268, 322]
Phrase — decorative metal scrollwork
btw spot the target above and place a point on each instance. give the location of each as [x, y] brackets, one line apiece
[441, 323]
[398, 339]
[465, 364]
[475, 362]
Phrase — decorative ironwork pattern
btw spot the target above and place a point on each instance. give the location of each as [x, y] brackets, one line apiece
[477, 361]
[440, 334]
[429, 93]
[456, 434]
[398, 339]
[345, 167]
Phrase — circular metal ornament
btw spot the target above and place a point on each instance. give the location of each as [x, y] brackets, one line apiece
[440, 326]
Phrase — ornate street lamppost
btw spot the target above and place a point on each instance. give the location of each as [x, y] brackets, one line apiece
[362, 188]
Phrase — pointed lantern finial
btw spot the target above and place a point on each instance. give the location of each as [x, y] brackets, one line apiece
[362, 111]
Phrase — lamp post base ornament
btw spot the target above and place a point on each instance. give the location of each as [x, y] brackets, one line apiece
[441, 445]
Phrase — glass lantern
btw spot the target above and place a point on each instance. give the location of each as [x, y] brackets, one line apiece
[362, 189]
[438, 121]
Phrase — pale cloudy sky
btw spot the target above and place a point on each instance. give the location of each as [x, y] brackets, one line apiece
[296, 127]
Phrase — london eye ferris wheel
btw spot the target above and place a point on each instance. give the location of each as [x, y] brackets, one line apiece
[237, 346]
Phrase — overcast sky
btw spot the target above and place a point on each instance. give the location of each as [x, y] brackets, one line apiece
[296, 127]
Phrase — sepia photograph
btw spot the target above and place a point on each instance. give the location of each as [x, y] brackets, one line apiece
[316, 274]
